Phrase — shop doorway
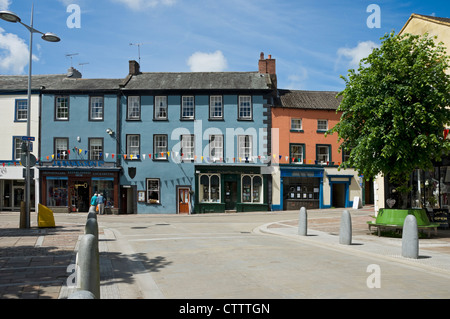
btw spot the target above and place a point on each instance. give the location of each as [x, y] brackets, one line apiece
[81, 197]
[338, 195]
[18, 196]
[230, 195]
[184, 200]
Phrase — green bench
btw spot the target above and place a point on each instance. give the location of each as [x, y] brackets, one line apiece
[394, 219]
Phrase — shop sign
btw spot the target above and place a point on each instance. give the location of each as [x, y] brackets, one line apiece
[78, 163]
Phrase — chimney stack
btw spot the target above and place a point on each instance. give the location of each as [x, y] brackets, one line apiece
[73, 73]
[267, 66]
[134, 68]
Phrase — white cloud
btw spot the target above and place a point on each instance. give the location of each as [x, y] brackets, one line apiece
[14, 53]
[207, 62]
[354, 55]
[4, 4]
[142, 4]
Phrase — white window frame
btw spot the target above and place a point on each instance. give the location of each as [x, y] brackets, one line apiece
[160, 147]
[216, 107]
[61, 147]
[161, 108]
[21, 110]
[245, 147]
[202, 198]
[134, 108]
[133, 145]
[245, 111]
[252, 199]
[296, 124]
[216, 147]
[18, 148]
[187, 108]
[96, 108]
[188, 147]
[322, 125]
[323, 157]
[62, 105]
[150, 189]
[95, 149]
[302, 153]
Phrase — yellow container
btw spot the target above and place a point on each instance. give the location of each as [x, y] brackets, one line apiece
[45, 217]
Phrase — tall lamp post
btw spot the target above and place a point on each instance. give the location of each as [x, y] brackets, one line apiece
[50, 37]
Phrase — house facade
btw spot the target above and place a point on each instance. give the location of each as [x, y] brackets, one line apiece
[196, 142]
[307, 174]
[78, 136]
[14, 110]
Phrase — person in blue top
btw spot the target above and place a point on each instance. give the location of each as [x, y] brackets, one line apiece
[101, 204]
[93, 203]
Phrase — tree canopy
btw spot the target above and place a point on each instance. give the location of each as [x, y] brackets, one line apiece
[395, 108]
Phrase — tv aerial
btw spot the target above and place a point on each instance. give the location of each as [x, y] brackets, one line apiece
[139, 49]
[70, 56]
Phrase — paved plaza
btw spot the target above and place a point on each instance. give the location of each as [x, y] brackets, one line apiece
[222, 256]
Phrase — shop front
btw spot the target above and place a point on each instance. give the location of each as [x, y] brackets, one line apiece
[301, 187]
[231, 189]
[69, 186]
[12, 187]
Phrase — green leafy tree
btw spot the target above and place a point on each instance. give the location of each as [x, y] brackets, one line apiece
[395, 108]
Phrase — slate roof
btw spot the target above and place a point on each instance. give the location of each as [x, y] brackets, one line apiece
[317, 100]
[58, 82]
[15, 83]
[200, 81]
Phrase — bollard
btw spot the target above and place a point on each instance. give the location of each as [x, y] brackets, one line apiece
[303, 222]
[89, 265]
[92, 227]
[345, 234]
[92, 215]
[410, 238]
[82, 294]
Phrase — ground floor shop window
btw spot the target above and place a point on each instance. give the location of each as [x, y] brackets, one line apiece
[430, 189]
[105, 187]
[209, 189]
[252, 188]
[57, 192]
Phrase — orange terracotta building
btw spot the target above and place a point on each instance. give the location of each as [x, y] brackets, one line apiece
[306, 159]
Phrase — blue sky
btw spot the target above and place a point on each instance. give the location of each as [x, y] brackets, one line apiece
[313, 41]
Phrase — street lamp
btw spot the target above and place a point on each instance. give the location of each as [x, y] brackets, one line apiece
[50, 37]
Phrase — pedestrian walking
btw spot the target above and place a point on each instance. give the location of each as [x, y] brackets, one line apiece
[93, 203]
[101, 204]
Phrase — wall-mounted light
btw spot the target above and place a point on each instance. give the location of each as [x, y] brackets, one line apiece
[78, 139]
[109, 131]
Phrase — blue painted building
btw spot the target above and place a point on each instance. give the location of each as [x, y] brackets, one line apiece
[77, 139]
[195, 142]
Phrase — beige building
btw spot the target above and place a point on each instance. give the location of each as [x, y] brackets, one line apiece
[431, 187]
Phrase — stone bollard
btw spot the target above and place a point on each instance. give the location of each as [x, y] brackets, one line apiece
[92, 215]
[89, 265]
[92, 227]
[410, 238]
[345, 234]
[303, 222]
[82, 294]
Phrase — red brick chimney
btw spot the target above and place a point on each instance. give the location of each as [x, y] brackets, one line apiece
[267, 66]
[134, 68]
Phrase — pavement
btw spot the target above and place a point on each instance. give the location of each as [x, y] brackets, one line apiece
[37, 263]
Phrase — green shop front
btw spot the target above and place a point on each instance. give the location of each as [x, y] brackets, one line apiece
[231, 188]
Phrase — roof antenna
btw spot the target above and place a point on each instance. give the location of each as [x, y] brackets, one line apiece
[82, 64]
[71, 56]
[139, 49]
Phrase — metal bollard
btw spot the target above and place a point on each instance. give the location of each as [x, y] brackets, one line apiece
[89, 265]
[410, 238]
[345, 234]
[303, 222]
